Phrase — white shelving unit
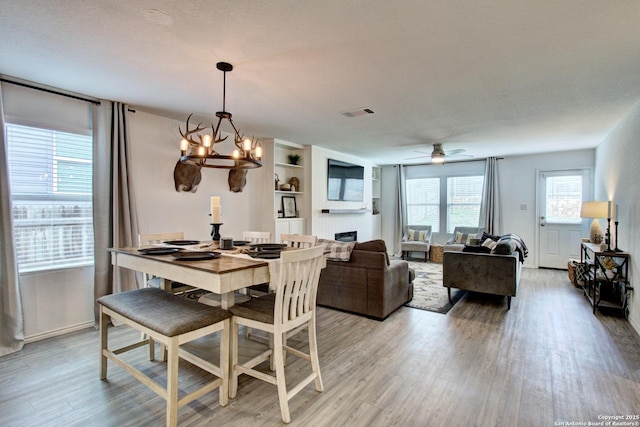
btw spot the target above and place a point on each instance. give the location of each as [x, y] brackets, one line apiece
[276, 160]
[375, 202]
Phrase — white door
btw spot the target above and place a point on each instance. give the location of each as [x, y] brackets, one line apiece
[560, 196]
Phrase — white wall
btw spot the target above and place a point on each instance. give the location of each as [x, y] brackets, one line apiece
[326, 225]
[616, 178]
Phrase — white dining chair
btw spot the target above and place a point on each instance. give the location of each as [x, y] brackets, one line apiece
[291, 306]
[257, 236]
[150, 239]
[299, 240]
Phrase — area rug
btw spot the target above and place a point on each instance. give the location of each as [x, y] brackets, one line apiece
[428, 292]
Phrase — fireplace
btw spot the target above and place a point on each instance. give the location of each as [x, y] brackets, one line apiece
[347, 236]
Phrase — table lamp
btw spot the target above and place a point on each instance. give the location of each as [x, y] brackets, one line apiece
[595, 210]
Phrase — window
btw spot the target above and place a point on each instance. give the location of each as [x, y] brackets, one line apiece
[50, 175]
[423, 202]
[464, 196]
[444, 196]
[563, 199]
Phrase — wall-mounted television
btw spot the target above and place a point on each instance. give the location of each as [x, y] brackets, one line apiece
[345, 181]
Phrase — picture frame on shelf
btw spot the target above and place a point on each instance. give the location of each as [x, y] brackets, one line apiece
[289, 206]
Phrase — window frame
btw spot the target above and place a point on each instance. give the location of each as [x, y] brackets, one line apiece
[65, 218]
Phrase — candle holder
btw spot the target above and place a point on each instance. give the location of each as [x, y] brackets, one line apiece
[215, 232]
[616, 249]
[608, 235]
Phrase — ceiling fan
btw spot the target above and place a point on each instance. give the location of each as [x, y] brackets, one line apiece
[438, 155]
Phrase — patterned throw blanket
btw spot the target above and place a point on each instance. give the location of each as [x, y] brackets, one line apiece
[520, 246]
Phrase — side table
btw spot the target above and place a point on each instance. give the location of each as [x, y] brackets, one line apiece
[436, 252]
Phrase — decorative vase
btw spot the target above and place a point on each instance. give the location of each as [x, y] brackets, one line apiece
[295, 182]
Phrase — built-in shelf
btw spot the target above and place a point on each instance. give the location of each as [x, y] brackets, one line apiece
[288, 192]
[345, 211]
[288, 165]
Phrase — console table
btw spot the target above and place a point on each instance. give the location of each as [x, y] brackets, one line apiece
[606, 281]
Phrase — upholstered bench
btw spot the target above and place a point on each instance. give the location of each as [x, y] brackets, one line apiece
[172, 321]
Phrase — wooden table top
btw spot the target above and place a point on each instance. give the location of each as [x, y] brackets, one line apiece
[221, 265]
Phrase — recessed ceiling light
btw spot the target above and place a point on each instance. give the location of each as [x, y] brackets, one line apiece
[358, 112]
[157, 16]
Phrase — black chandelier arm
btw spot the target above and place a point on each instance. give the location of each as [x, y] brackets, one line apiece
[233, 163]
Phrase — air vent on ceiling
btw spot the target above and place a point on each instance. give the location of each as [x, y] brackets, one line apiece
[357, 113]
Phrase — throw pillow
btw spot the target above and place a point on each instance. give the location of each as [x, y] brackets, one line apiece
[489, 243]
[465, 238]
[486, 236]
[417, 235]
[476, 249]
[373, 246]
[504, 247]
[338, 251]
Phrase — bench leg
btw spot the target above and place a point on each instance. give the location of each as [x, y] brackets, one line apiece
[104, 325]
[508, 303]
[449, 295]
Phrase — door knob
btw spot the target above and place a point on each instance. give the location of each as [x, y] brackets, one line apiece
[542, 221]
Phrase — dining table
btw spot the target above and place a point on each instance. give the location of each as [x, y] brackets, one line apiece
[222, 275]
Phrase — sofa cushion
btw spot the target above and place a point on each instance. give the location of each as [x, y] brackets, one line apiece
[373, 246]
[338, 251]
[464, 238]
[418, 235]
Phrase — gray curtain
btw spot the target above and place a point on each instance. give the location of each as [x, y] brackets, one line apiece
[12, 322]
[401, 209]
[115, 216]
[490, 215]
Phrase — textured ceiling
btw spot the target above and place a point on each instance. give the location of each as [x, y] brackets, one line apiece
[491, 77]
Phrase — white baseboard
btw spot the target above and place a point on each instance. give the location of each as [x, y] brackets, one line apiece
[58, 332]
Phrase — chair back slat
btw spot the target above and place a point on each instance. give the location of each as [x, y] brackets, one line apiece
[257, 236]
[299, 240]
[155, 238]
[298, 286]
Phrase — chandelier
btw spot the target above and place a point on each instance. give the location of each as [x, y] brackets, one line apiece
[202, 152]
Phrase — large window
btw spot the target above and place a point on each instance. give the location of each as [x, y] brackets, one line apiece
[423, 202]
[50, 174]
[444, 196]
[464, 196]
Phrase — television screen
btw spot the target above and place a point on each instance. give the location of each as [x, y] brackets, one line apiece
[345, 181]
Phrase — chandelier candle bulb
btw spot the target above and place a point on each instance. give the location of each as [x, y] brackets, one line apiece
[184, 145]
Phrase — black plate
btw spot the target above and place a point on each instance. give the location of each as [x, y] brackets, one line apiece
[195, 256]
[158, 251]
[266, 254]
[240, 242]
[182, 242]
[268, 246]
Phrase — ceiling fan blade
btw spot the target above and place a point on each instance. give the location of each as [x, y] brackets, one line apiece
[455, 152]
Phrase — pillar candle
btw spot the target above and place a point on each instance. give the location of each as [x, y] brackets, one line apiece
[216, 211]
[616, 212]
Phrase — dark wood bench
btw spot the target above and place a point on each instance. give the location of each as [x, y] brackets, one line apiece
[171, 321]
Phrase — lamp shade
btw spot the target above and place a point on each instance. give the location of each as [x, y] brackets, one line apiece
[595, 210]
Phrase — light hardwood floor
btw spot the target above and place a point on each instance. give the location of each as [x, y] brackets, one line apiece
[548, 360]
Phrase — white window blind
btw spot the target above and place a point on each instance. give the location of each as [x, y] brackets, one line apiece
[423, 202]
[50, 174]
[464, 196]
